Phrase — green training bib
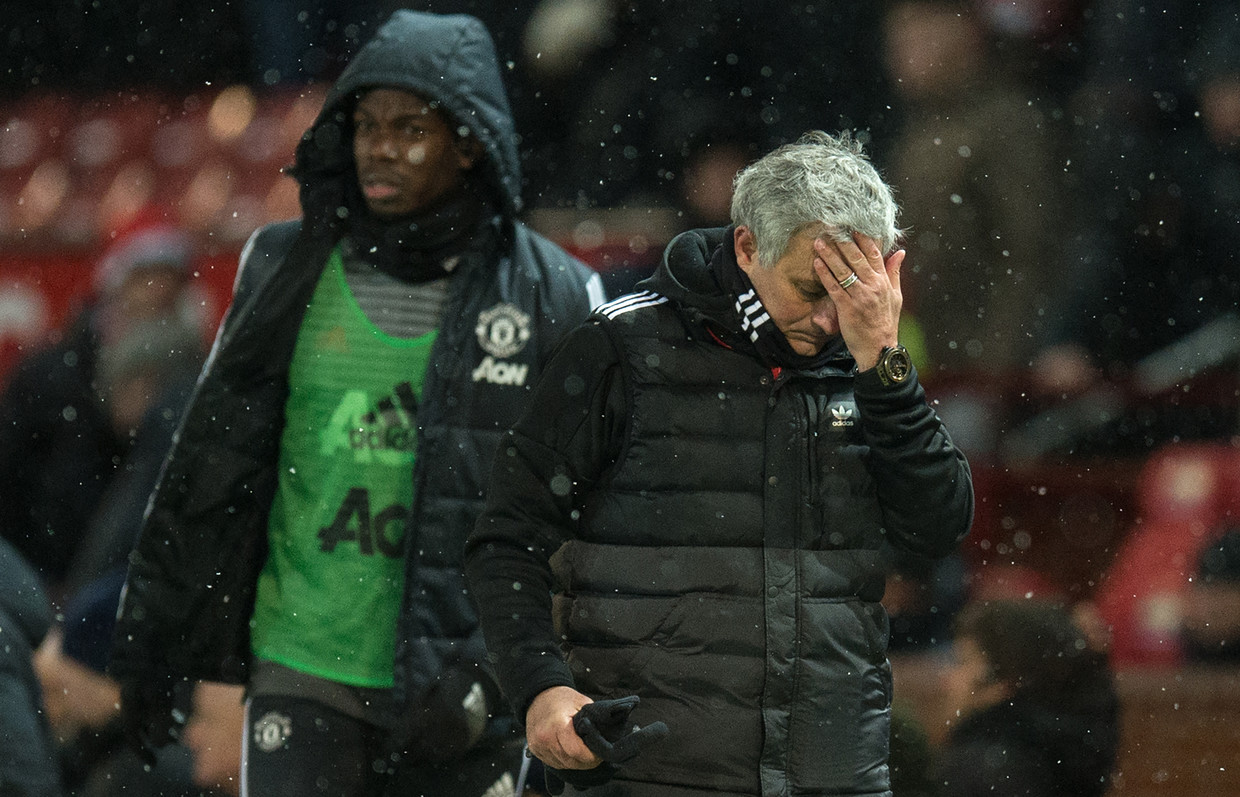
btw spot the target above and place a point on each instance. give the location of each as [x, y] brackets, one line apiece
[330, 591]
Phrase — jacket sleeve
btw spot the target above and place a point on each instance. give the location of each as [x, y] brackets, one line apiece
[202, 519]
[571, 289]
[923, 481]
[556, 451]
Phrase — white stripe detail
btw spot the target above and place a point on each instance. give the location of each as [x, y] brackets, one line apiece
[245, 748]
[594, 291]
[752, 313]
[751, 325]
[627, 298]
[631, 302]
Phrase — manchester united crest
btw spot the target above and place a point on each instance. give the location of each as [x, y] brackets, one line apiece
[503, 330]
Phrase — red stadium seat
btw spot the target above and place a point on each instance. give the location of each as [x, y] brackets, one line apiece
[1187, 496]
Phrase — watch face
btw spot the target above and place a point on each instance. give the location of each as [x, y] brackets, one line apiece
[895, 365]
[898, 364]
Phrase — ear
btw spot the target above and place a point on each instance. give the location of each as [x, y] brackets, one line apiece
[746, 248]
[468, 151]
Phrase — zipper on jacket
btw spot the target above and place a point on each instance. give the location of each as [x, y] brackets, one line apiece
[812, 416]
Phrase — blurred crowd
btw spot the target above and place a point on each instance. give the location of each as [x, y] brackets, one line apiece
[1066, 168]
[1069, 179]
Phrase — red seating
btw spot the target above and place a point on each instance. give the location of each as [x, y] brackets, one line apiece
[1187, 494]
[74, 169]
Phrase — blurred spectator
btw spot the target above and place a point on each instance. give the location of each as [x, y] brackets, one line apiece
[1154, 234]
[83, 706]
[81, 700]
[64, 415]
[27, 760]
[142, 380]
[995, 581]
[974, 167]
[922, 596]
[142, 377]
[1036, 705]
[662, 103]
[1200, 270]
[1211, 607]
[1040, 39]
[145, 381]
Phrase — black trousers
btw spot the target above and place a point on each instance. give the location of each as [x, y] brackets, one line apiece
[296, 747]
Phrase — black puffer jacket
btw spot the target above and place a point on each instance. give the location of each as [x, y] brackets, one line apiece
[715, 536]
[192, 577]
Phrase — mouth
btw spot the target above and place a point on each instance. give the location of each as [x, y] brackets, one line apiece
[378, 188]
[806, 337]
[805, 343]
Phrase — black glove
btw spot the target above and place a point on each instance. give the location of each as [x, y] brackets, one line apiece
[152, 714]
[604, 727]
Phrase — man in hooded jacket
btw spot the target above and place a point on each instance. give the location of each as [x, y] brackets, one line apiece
[720, 465]
[396, 329]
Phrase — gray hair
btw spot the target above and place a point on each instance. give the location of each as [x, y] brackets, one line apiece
[821, 181]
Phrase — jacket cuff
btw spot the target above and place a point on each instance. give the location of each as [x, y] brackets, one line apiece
[867, 386]
[535, 684]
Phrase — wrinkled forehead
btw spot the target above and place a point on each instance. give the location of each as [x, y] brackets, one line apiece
[797, 262]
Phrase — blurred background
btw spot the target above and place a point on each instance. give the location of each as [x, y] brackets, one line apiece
[1070, 187]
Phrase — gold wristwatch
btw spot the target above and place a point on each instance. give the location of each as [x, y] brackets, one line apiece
[894, 365]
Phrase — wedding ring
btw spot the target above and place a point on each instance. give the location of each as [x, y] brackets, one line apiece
[849, 280]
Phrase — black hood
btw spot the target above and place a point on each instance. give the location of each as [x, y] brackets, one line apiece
[450, 60]
[688, 276]
[685, 275]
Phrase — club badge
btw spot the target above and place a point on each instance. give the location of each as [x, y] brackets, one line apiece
[503, 330]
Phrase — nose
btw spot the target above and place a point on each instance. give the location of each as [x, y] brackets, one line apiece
[825, 316]
[381, 147]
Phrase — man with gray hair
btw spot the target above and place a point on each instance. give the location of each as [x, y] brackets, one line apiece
[681, 559]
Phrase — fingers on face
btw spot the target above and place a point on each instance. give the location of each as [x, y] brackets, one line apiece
[826, 275]
[847, 261]
[862, 254]
[893, 264]
[829, 262]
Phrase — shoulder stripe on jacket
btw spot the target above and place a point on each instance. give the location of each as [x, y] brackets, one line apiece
[630, 302]
[595, 291]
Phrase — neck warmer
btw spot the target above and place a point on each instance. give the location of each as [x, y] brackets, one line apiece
[756, 323]
[427, 245]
